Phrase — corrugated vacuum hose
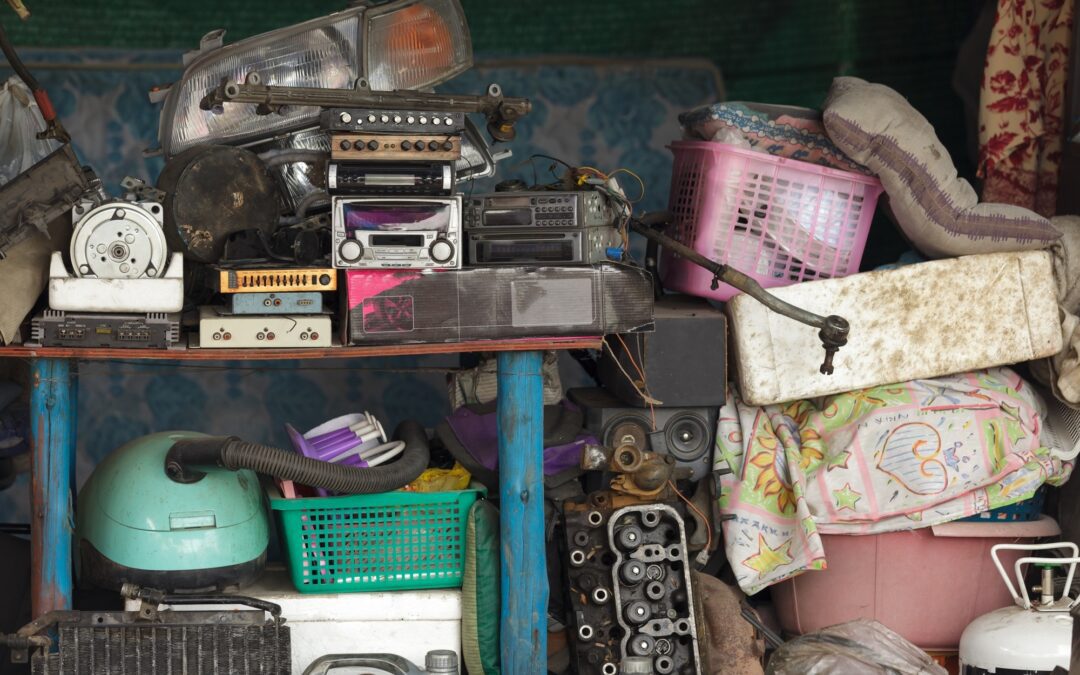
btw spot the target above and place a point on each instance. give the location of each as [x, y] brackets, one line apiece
[233, 453]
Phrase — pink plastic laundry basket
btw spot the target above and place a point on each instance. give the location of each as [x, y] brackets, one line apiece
[778, 220]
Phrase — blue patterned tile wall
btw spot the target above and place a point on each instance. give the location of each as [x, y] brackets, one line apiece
[606, 114]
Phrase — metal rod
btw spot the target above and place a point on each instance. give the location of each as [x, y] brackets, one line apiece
[833, 329]
[521, 492]
[501, 112]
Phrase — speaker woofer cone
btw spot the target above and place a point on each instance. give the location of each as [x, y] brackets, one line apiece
[687, 437]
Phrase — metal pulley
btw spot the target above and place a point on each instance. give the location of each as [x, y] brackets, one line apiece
[118, 240]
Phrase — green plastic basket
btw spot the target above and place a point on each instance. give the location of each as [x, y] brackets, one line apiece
[381, 542]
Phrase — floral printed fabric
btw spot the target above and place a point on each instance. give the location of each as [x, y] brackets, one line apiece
[1023, 102]
[784, 131]
[888, 458]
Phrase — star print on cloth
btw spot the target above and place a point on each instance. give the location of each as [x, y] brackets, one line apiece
[838, 460]
[846, 497]
[768, 559]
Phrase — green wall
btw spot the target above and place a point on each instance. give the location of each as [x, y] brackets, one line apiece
[783, 51]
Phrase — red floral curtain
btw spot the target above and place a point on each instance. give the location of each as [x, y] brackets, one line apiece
[1022, 103]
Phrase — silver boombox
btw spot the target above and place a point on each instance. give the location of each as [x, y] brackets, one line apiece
[397, 232]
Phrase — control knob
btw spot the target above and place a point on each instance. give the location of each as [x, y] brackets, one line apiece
[350, 250]
[441, 251]
[345, 118]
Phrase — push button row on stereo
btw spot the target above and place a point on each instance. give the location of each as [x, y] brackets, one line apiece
[346, 118]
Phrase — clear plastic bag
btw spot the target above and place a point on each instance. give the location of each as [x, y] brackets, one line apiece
[20, 122]
[860, 647]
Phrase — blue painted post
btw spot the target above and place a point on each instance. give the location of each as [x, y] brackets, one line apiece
[521, 493]
[53, 408]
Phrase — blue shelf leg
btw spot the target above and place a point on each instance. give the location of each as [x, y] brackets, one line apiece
[53, 408]
[521, 492]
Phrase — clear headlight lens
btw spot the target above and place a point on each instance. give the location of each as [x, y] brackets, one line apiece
[297, 179]
[407, 44]
[476, 159]
[416, 44]
[319, 53]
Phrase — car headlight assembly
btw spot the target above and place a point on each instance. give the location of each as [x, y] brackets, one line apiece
[405, 44]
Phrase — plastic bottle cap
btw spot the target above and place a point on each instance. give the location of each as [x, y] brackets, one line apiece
[633, 665]
[441, 661]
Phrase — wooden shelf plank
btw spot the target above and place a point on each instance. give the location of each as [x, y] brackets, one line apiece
[102, 353]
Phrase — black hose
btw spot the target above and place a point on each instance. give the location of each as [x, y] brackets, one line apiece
[233, 453]
[16, 63]
[53, 128]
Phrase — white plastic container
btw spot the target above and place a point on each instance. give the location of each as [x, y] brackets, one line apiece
[919, 321]
[406, 623]
[70, 293]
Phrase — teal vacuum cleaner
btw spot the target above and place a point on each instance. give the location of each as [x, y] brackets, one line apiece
[184, 512]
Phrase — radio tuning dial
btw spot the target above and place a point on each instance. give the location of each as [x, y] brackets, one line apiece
[441, 251]
[350, 250]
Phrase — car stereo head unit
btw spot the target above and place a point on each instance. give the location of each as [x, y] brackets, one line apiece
[397, 232]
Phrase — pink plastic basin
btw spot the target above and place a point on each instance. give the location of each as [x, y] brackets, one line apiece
[927, 585]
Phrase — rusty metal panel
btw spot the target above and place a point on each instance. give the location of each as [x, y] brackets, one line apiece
[37, 196]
